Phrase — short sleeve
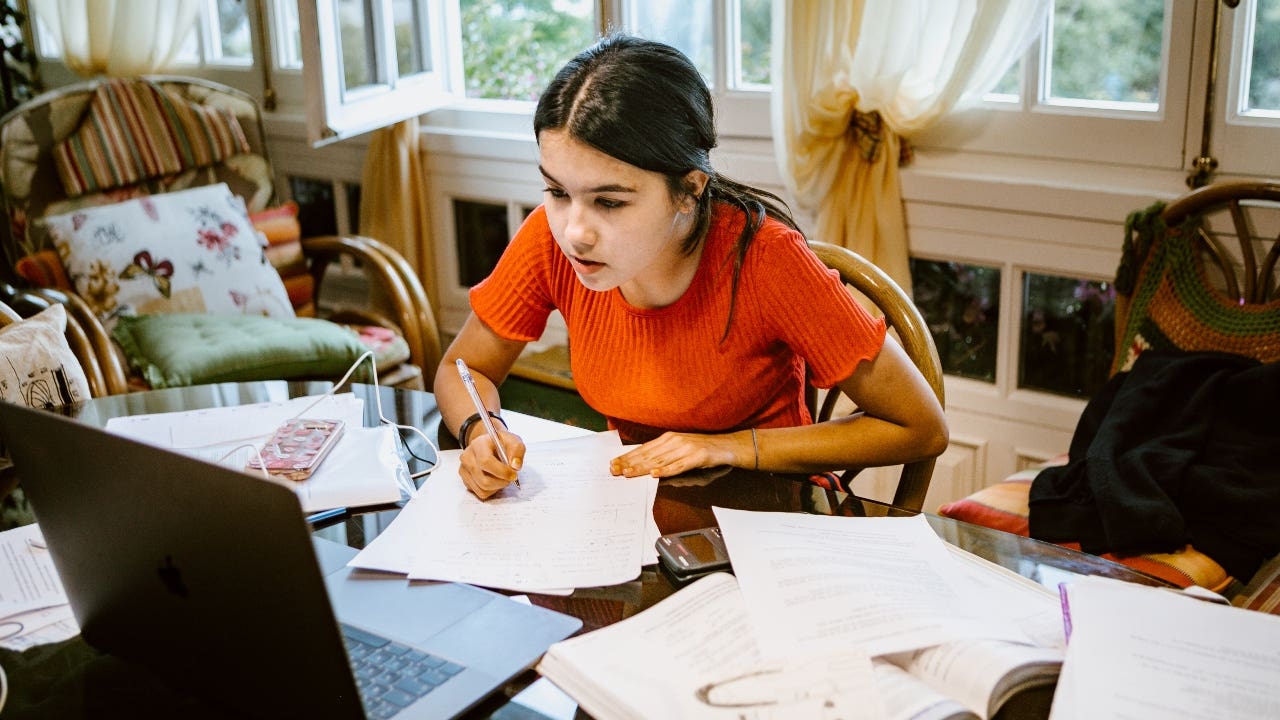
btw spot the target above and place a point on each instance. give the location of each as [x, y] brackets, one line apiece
[516, 299]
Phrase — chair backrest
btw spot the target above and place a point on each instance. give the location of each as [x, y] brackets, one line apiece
[1200, 274]
[111, 139]
[905, 320]
[86, 337]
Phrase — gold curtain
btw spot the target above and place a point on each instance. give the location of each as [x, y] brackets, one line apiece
[393, 200]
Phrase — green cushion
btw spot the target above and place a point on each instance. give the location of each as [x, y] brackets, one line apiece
[174, 350]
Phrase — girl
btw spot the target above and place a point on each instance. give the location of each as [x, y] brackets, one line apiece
[692, 302]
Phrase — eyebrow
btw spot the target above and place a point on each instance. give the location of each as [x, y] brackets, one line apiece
[598, 189]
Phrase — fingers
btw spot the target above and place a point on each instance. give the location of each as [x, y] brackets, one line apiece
[671, 454]
[483, 472]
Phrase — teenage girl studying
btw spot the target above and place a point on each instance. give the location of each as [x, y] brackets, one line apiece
[693, 304]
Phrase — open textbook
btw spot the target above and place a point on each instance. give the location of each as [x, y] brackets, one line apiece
[721, 633]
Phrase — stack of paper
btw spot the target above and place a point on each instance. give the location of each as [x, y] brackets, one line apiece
[860, 617]
[33, 605]
[569, 524]
[363, 469]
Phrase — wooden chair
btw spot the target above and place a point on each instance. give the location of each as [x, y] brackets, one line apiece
[1197, 274]
[104, 141]
[905, 320]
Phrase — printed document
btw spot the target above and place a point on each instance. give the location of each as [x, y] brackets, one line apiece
[570, 523]
[815, 584]
[1141, 652]
[33, 606]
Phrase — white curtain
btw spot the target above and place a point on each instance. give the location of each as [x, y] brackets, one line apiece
[118, 37]
[836, 62]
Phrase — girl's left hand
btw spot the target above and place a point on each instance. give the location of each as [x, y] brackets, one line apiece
[673, 453]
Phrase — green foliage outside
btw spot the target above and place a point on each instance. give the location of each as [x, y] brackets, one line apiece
[511, 48]
[1107, 50]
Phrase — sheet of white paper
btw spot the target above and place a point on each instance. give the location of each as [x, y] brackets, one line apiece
[1036, 610]
[655, 663]
[28, 579]
[569, 524]
[817, 584]
[1140, 652]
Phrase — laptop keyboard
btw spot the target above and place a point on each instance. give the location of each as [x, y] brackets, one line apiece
[392, 676]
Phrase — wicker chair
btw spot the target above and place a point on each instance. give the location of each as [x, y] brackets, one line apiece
[105, 141]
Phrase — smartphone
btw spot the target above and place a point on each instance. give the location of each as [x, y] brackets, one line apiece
[696, 552]
[297, 448]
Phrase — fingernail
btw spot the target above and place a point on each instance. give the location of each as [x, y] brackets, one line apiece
[517, 463]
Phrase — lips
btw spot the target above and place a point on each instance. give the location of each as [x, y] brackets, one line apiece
[585, 266]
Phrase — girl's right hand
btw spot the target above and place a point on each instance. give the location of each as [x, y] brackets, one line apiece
[483, 471]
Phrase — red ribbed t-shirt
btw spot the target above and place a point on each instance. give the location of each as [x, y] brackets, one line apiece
[651, 370]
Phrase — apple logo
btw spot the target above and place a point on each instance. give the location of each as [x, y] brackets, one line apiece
[171, 576]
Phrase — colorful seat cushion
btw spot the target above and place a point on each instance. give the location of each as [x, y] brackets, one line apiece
[1003, 506]
[188, 251]
[174, 350]
[135, 130]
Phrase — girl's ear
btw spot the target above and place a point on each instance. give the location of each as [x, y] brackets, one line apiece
[695, 183]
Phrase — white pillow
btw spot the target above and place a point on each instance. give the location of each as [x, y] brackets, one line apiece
[39, 369]
[190, 251]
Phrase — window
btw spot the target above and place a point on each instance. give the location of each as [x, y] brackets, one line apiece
[1099, 86]
[1248, 109]
[391, 62]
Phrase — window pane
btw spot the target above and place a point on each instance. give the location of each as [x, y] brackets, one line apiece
[410, 55]
[288, 34]
[1009, 87]
[1264, 65]
[1068, 335]
[233, 38]
[355, 32]
[511, 48]
[316, 212]
[1106, 52]
[961, 305]
[482, 236]
[754, 18]
[684, 24]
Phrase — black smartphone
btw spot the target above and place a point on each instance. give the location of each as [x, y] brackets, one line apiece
[696, 552]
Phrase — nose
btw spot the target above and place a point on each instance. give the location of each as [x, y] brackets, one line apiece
[577, 229]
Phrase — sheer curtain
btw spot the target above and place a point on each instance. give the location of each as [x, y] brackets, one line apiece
[393, 200]
[118, 37]
[856, 76]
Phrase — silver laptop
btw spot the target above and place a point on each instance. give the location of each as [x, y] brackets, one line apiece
[210, 578]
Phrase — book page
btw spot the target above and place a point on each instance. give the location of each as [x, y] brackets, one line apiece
[1140, 652]
[982, 674]
[908, 698]
[815, 584]
[693, 655]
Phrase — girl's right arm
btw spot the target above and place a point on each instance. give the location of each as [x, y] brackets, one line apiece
[490, 358]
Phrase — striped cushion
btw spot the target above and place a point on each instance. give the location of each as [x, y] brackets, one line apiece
[134, 131]
[1003, 506]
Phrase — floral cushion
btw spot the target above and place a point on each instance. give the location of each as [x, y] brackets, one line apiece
[39, 368]
[188, 251]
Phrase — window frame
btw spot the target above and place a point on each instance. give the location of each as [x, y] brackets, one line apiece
[1236, 137]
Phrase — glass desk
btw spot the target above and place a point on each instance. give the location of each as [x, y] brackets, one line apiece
[68, 670]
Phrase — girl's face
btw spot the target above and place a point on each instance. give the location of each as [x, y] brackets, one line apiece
[617, 224]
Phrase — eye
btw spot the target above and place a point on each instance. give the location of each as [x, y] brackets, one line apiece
[609, 203]
[555, 192]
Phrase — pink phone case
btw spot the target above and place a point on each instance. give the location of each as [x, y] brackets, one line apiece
[297, 447]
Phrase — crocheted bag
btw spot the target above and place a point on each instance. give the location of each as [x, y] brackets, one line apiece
[1172, 304]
